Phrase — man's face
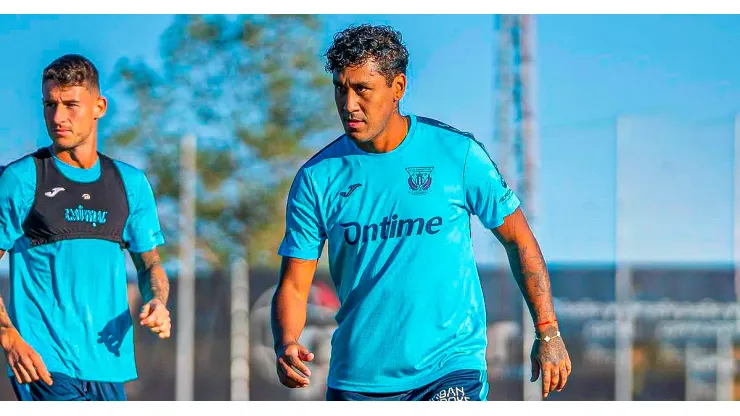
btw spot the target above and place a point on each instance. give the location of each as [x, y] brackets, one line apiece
[365, 101]
[71, 113]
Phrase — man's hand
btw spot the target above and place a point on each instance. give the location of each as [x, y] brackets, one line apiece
[26, 363]
[288, 317]
[552, 359]
[289, 359]
[155, 316]
[155, 289]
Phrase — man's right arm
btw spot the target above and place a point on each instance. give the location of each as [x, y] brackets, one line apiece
[290, 301]
[17, 189]
[301, 248]
[7, 330]
[288, 316]
[5, 323]
[26, 364]
[6, 326]
[16, 197]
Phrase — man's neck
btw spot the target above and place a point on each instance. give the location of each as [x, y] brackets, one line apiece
[83, 156]
[390, 138]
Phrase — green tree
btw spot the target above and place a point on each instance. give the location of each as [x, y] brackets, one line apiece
[253, 91]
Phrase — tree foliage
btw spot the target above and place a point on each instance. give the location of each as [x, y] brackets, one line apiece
[253, 91]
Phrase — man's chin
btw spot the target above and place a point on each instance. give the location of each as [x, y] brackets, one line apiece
[64, 143]
[357, 136]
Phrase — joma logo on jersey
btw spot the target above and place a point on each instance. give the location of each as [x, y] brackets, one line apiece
[389, 228]
[80, 214]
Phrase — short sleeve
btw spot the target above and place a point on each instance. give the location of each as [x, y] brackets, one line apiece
[17, 191]
[143, 231]
[304, 233]
[486, 193]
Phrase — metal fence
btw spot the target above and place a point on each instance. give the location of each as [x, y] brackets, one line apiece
[673, 346]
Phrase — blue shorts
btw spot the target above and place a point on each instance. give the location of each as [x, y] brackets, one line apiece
[65, 388]
[463, 385]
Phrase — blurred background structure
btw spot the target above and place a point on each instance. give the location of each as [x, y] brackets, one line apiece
[620, 134]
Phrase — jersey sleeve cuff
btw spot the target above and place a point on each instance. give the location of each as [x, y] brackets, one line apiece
[505, 210]
[299, 254]
[142, 247]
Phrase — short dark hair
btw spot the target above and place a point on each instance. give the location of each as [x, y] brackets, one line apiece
[72, 70]
[355, 45]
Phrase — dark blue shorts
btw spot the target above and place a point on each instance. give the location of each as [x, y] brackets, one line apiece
[463, 385]
[65, 388]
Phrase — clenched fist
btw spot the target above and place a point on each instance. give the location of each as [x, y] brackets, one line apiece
[155, 316]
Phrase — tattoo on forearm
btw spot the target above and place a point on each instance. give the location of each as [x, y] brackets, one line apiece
[153, 281]
[160, 286]
[530, 272]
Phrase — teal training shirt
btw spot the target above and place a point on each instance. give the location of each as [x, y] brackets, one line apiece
[400, 252]
[68, 299]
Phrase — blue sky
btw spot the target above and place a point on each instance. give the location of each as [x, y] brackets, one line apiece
[673, 81]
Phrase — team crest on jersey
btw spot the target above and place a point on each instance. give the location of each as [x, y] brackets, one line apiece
[420, 180]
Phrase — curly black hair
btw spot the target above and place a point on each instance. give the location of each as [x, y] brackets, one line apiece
[72, 70]
[355, 45]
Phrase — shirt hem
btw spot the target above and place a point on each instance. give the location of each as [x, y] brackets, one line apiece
[86, 377]
[414, 383]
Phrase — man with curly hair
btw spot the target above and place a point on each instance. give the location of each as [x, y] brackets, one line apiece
[394, 196]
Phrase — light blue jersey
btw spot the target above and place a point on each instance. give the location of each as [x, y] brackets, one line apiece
[68, 299]
[400, 253]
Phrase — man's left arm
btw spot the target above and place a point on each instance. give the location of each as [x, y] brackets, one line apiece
[155, 290]
[529, 268]
[143, 234]
[527, 263]
[489, 197]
